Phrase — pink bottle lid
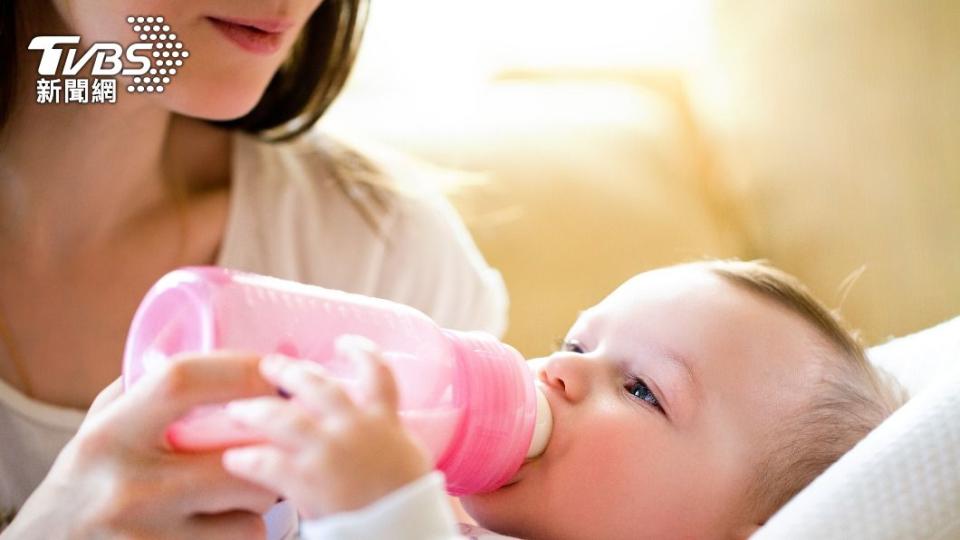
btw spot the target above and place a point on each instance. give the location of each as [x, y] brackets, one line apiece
[500, 412]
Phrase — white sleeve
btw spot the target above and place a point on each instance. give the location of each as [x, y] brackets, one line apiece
[290, 219]
[417, 511]
[433, 264]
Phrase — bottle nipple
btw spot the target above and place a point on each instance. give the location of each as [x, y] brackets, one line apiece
[543, 427]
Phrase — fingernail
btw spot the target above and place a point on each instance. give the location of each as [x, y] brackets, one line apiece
[272, 364]
[355, 342]
[236, 459]
[240, 408]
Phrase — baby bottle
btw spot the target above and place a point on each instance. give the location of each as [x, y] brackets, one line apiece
[470, 399]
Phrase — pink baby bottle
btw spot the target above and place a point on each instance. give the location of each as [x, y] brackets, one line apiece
[470, 399]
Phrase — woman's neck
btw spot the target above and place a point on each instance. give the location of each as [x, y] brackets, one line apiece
[74, 183]
[73, 178]
[73, 175]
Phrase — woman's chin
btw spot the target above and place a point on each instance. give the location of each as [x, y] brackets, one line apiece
[224, 114]
[212, 102]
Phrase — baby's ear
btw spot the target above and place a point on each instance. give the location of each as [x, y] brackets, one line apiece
[745, 531]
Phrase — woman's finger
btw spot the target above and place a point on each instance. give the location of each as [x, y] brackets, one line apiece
[186, 382]
[266, 465]
[309, 383]
[108, 395]
[279, 420]
[214, 488]
[379, 382]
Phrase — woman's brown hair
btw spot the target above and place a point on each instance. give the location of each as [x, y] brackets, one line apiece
[8, 58]
[299, 93]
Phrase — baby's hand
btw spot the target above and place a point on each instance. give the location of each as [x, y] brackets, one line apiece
[324, 452]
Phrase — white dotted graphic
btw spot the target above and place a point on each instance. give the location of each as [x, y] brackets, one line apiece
[167, 52]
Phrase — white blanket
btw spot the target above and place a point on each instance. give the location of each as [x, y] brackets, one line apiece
[903, 480]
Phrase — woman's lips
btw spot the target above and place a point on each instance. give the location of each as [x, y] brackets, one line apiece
[261, 36]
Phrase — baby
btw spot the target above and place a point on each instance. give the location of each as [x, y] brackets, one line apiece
[692, 402]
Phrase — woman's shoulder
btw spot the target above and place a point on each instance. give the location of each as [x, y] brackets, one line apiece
[317, 163]
[363, 219]
[311, 177]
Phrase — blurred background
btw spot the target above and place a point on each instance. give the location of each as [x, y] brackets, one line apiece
[601, 138]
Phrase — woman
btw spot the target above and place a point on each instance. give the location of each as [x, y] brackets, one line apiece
[98, 201]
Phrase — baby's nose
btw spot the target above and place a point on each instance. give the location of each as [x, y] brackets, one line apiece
[566, 373]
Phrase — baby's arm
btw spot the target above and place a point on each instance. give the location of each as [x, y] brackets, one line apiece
[351, 469]
[417, 511]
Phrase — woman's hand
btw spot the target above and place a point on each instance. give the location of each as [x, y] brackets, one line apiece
[324, 452]
[119, 478]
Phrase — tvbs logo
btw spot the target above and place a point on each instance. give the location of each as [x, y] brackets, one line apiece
[151, 62]
[106, 57]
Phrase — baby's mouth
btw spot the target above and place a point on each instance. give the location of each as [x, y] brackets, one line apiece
[518, 476]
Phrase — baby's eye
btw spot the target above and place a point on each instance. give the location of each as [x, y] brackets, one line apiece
[572, 345]
[637, 388]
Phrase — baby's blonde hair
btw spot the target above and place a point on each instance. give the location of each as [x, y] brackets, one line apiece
[851, 399]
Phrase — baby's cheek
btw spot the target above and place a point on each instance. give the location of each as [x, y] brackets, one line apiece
[627, 469]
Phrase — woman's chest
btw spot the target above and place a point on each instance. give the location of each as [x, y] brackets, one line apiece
[63, 344]
[62, 331]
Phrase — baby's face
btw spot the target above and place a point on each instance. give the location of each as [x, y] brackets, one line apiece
[660, 397]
